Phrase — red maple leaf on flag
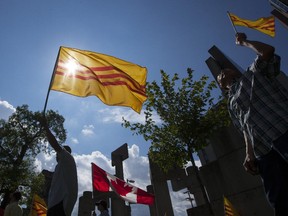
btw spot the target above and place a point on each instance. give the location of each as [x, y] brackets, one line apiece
[123, 189]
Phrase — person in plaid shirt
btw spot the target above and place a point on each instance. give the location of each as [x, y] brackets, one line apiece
[258, 107]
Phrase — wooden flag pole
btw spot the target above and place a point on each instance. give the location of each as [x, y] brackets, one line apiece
[51, 81]
[232, 22]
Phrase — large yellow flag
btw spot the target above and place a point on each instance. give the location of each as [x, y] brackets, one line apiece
[39, 207]
[265, 25]
[229, 210]
[112, 80]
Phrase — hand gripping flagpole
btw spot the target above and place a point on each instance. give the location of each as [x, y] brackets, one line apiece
[51, 81]
[232, 22]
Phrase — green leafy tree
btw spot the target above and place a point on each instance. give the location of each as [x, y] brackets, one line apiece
[188, 115]
[21, 139]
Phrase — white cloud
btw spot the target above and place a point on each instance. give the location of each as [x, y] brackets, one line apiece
[179, 201]
[137, 168]
[197, 162]
[110, 115]
[6, 110]
[74, 140]
[88, 130]
[45, 161]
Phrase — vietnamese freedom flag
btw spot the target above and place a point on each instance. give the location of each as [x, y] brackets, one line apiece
[114, 81]
[104, 182]
[265, 25]
[39, 207]
[229, 209]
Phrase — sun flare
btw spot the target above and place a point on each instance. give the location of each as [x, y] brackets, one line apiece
[71, 66]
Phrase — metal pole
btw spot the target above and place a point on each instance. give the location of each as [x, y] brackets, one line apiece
[51, 81]
[232, 22]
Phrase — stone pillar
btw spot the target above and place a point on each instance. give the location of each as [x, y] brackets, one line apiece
[152, 208]
[118, 207]
[163, 203]
[86, 204]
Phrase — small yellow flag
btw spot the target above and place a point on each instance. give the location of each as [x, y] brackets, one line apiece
[229, 210]
[39, 207]
[265, 25]
[112, 80]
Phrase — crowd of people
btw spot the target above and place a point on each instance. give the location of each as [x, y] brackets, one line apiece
[258, 106]
[63, 191]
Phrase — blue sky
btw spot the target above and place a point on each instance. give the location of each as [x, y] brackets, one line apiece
[169, 35]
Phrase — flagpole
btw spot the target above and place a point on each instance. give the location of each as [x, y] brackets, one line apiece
[92, 181]
[224, 205]
[232, 22]
[51, 81]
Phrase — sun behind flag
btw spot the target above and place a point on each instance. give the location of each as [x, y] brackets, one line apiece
[265, 25]
[112, 80]
[104, 182]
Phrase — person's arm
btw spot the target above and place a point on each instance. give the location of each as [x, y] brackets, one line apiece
[266, 51]
[250, 163]
[51, 138]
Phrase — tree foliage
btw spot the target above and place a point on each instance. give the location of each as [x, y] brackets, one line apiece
[188, 116]
[21, 139]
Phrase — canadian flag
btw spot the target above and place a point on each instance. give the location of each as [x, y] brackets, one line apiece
[104, 182]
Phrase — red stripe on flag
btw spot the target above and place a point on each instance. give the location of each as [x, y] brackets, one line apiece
[101, 75]
[106, 83]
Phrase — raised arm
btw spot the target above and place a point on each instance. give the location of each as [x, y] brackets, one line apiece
[266, 51]
[250, 163]
[51, 138]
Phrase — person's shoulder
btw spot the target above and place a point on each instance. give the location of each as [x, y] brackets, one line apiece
[66, 157]
[257, 65]
[8, 207]
[63, 151]
[260, 60]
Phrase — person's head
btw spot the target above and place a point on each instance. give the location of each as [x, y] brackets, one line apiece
[16, 196]
[67, 148]
[226, 78]
[101, 205]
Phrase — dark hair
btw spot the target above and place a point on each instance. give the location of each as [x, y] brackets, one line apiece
[67, 148]
[103, 203]
[17, 195]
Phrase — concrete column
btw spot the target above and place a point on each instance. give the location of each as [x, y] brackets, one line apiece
[162, 196]
[152, 208]
[118, 207]
[86, 204]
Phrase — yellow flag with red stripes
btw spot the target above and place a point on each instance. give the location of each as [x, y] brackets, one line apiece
[39, 207]
[229, 210]
[114, 81]
[265, 25]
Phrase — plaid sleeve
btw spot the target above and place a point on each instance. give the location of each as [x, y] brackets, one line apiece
[269, 69]
[235, 121]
